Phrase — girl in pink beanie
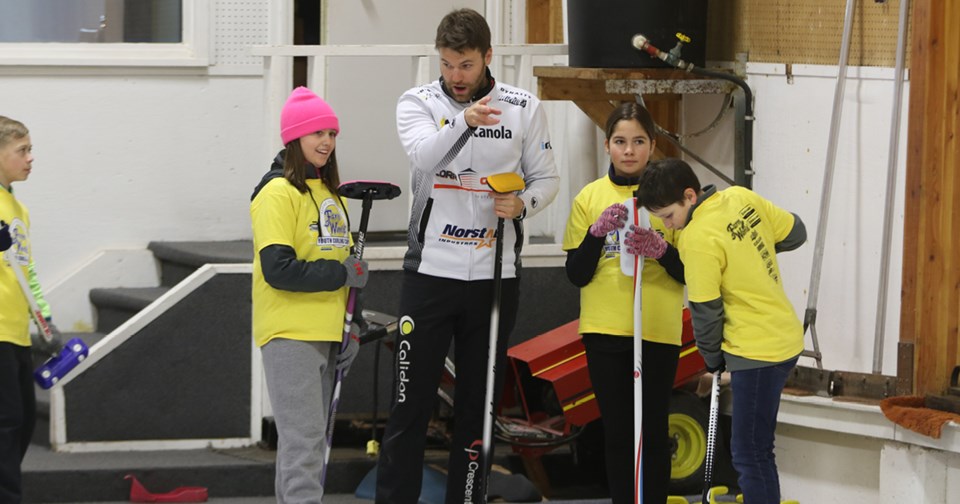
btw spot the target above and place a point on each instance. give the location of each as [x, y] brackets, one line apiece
[306, 113]
[302, 270]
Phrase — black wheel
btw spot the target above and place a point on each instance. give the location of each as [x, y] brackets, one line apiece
[689, 416]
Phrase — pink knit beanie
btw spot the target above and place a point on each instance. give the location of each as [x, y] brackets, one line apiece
[305, 113]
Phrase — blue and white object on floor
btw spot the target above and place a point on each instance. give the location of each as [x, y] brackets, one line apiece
[55, 368]
[433, 490]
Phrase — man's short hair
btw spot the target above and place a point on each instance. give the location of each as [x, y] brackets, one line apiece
[663, 182]
[462, 30]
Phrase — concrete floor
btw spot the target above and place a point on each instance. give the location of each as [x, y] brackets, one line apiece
[330, 499]
[350, 499]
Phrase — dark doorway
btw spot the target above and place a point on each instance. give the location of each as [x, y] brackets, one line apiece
[306, 31]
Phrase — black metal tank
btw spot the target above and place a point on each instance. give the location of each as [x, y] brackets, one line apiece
[599, 32]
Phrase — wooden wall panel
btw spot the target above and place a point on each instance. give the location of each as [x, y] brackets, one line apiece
[930, 304]
[545, 21]
[774, 31]
[802, 31]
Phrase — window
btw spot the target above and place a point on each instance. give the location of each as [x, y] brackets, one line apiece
[104, 32]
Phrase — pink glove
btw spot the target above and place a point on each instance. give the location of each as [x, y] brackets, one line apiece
[644, 242]
[612, 218]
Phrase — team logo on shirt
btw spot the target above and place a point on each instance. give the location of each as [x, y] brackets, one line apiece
[333, 230]
[447, 174]
[468, 180]
[21, 245]
[514, 92]
[425, 93]
[744, 229]
[501, 133]
[476, 237]
[611, 244]
[513, 100]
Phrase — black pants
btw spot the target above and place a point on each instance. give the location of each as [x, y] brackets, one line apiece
[17, 415]
[434, 311]
[610, 362]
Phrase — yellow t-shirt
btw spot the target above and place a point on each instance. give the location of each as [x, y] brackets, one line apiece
[14, 310]
[728, 253]
[281, 215]
[606, 303]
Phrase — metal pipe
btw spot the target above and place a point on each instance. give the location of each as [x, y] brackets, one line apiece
[687, 151]
[747, 170]
[641, 43]
[894, 145]
[810, 317]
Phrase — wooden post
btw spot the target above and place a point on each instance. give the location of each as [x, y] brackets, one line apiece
[544, 22]
[930, 305]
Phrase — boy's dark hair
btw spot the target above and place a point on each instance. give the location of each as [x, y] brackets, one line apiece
[462, 30]
[631, 110]
[663, 182]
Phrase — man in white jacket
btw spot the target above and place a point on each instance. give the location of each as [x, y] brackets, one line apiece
[457, 131]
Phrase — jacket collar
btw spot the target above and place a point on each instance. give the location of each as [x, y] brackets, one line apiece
[707, 191]
[621, 180]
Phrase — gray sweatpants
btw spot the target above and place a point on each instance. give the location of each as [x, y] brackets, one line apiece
[300, 385]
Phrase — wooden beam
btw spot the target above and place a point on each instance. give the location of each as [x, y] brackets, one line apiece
[598, 111]
[665, 111]
[576, 90]
[544, 21]
[930, 301]
[587, 88]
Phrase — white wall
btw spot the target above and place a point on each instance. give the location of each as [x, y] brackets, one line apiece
[126, 154]
[842, 452]
[124, 160]
[822, 466]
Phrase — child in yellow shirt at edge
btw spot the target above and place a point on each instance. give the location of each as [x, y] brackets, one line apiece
[742, 319]
[17, 395]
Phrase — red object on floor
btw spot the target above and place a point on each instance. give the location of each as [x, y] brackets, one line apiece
[181, 494]
[557, 359]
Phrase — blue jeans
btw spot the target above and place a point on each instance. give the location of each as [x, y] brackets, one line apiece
[756, 401]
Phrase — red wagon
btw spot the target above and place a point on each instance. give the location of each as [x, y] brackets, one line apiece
[549, 400]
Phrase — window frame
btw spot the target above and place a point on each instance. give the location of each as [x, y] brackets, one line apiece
[192, 51]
